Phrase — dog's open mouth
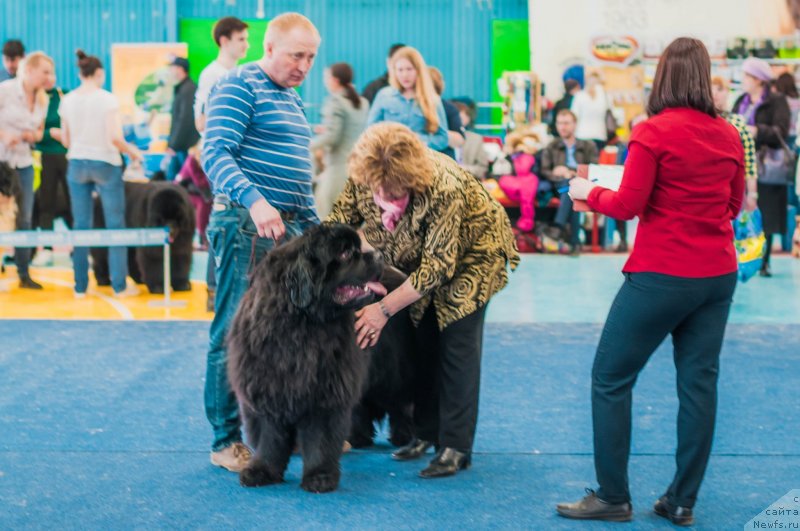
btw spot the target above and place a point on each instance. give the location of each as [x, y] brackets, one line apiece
[349, 293]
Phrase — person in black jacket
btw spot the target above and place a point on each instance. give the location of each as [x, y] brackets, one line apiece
[374, 86]
[571, 87]
[183, 133]
[767, 115]
[455, 129]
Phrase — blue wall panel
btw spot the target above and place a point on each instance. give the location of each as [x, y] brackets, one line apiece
[454, 35]
[59, 27]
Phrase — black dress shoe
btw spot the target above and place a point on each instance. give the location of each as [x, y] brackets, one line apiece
[593, 508]
[413, 450]
[29, 283]
[676, 514]
[765, 271]
[447, 463]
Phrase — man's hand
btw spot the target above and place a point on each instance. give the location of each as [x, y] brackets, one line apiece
[10, 139]
[29, 137]
[562, 172]
[267, 220]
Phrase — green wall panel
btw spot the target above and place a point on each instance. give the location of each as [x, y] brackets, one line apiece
[510, 51]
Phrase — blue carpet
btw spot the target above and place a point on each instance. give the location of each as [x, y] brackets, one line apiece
[559, 289]
[102, 427]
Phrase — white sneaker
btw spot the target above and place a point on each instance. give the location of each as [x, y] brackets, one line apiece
[130, 291]
[80, 294]
[234, 458]
[43, 258]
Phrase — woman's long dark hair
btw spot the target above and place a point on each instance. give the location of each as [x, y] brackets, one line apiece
[683, 79]
[343, 73]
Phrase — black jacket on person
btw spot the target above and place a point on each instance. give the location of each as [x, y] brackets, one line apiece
[772, 120]
[371, 90]
[183, 133]
[453, 124]
[563, 103]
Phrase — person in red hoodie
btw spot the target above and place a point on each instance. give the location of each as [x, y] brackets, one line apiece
[684, 179]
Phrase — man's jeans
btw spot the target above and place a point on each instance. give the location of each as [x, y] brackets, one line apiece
[84, 177]
[236, 249]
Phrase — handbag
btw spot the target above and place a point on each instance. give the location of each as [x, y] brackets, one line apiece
[776, 165]
[750, 243]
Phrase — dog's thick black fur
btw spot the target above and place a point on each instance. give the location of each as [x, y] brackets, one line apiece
[293, 361]
[388, 392]
[152, 204]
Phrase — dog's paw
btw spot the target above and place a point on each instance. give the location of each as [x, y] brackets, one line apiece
[182, 286]
[155, 289]
[258, 477]
[320, 483]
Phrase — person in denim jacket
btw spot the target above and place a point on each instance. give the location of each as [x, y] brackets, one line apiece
[411, 100]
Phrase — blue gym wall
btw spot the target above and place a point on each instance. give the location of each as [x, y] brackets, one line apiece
[454, 35]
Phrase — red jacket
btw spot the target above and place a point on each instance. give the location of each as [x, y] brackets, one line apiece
[684, 178]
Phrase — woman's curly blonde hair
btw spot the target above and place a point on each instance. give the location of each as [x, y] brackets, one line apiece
[390, 156]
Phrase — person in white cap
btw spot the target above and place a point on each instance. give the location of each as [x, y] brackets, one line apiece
[768, 116]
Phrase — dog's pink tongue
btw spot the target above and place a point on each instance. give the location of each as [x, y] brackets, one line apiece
[377, 288]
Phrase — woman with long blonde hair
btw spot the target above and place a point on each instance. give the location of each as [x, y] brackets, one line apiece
[23, 106]
[410, 99]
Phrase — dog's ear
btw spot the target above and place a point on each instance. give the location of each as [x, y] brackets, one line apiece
[299, 283]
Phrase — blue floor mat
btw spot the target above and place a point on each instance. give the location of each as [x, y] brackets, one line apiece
[103, 428]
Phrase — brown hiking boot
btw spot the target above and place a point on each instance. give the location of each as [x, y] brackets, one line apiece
[234, 458]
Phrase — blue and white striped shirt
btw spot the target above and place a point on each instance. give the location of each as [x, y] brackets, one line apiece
[256, 143]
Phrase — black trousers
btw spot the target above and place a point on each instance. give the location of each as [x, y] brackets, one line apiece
[52, 198]
[648, 307]
[447, 365]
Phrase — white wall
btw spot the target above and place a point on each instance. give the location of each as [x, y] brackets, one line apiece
[561, 29]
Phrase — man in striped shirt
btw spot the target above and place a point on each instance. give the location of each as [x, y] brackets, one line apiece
[256, 155]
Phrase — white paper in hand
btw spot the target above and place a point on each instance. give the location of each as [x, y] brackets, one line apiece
[607, 176]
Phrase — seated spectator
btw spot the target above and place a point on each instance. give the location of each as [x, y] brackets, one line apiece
[523, 185]
[193, 178]
[619, 149]
[559, 163]
[471, 156]
[455, 129]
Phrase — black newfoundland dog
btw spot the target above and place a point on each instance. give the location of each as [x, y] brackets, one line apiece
[152, 204]
[293, 361]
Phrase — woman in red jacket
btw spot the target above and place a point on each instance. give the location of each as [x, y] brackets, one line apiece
[684, 178]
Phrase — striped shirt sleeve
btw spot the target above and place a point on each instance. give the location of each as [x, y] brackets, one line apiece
[230, 111]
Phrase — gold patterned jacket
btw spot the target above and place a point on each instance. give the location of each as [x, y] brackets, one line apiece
[454, 241]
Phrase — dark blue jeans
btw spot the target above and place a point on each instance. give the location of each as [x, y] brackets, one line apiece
[83, 178]
[235, 247]
[565, 214]
[648, 308]
[22, 255]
